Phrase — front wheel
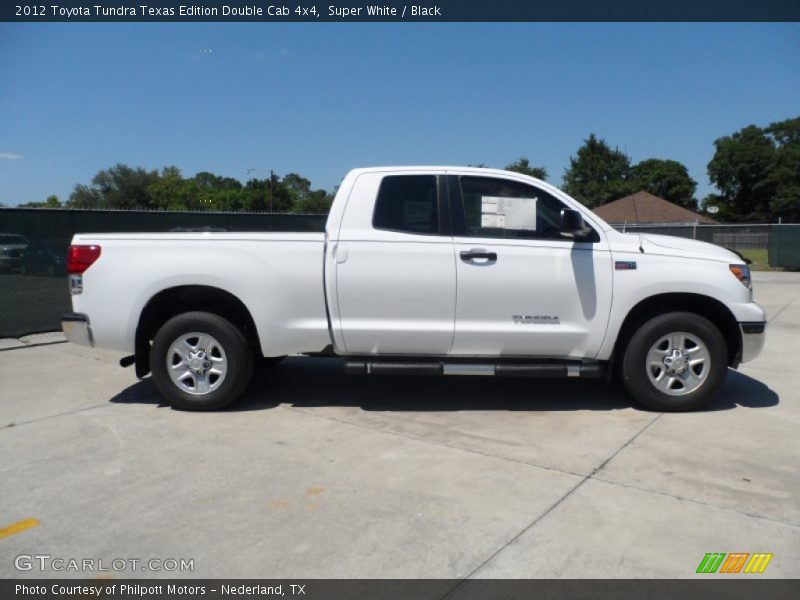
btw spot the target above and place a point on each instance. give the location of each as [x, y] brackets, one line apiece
[200, 361]
[675, 361]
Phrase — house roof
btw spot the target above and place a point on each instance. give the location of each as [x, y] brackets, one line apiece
[644, 207]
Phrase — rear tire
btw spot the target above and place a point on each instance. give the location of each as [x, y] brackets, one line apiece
[675, 362]
[200, 361]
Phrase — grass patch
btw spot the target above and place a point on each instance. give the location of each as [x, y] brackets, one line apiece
[760, 259]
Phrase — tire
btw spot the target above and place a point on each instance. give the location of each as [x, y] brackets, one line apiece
[675, 362]
[200, 361]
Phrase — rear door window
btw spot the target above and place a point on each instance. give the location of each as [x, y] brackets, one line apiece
[408, 203]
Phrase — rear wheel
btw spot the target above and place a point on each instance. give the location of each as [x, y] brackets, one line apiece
[676, 361]
[200, 361]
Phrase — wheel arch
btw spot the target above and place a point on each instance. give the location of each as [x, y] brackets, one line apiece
[176, 300]
[705, 306]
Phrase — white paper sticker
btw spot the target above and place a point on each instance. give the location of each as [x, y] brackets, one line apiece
[493, 221]
[508, 213]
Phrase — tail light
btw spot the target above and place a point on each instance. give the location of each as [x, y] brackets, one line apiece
[80, 258]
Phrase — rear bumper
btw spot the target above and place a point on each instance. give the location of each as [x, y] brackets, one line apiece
[77, 330]
[753, 338]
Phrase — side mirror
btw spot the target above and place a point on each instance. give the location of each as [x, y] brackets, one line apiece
[573, 225]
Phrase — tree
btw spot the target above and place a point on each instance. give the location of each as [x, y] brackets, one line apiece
[303, 198]
[118, 187]
[666, 179]
[127, 188]
[51, 202]
[598, 174]
[209, 181]
[84, 196]
[523, 165]
[172, 192]
[740, 169]
[267, 195]
[758, 172]
[317, 202]
[785, 173]
[298, 188]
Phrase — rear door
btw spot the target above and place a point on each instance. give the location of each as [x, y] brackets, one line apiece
[523, 289]
[395, 266]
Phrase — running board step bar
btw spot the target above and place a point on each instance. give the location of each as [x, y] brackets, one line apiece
[548, 369]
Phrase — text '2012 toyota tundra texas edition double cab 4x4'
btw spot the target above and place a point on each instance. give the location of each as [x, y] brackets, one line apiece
[440, 270]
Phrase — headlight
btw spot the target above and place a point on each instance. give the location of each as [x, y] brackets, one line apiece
[742, 273]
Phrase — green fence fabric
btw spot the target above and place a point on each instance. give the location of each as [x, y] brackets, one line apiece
[784, 246]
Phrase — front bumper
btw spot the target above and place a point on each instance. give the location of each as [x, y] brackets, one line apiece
[753, 338]
[77, 330]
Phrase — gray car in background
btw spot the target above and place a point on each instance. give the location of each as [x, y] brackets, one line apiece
[11, 248]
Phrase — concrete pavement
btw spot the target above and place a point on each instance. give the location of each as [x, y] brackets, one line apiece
[318, 474]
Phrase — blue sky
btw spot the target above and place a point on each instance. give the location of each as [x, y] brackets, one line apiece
[319, 99]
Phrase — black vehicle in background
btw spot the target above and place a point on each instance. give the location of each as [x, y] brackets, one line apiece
[11, 248]
[44, 257]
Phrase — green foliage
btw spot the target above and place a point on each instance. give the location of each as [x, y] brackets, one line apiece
[666, 179]
[758, 172]
[785, 172]
[123, 187]
[51, 202]
[598, 174]
[172, 192]
[118, 187]
[523, 165]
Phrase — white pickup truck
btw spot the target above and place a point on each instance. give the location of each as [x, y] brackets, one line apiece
[422, 270]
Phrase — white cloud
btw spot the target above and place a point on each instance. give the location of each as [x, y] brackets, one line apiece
[9, 156]
[284, 52]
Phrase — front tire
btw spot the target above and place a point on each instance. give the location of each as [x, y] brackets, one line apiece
[675, 362]
[200, 361]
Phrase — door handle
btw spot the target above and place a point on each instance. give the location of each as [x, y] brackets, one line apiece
[478, 254]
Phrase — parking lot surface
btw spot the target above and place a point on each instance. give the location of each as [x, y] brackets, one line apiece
[316, 474]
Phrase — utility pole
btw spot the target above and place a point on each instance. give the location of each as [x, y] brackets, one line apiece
[271, 176]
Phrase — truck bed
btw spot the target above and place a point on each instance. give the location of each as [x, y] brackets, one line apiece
[278, 275]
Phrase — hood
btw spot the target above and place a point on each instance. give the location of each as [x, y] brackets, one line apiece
[678, 246]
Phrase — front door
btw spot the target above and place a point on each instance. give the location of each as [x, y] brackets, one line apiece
[523, 289]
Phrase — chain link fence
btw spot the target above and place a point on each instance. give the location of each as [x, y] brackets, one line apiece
[34, 242]
[778, 244]
[737, 237]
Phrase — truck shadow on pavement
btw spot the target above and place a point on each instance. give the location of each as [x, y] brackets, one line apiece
[317, 382]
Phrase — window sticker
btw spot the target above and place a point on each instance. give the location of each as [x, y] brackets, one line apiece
[508, 213]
